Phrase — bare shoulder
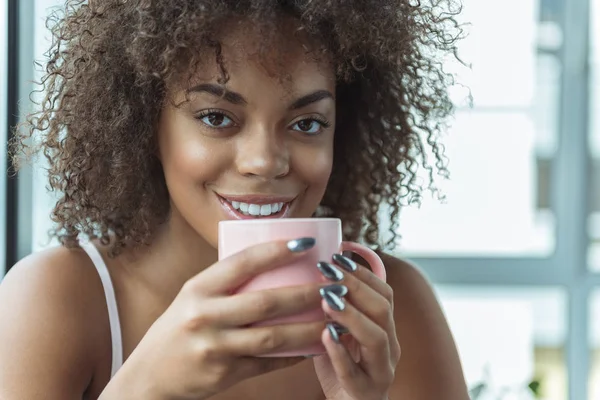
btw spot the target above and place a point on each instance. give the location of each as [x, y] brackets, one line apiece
[430, 366]
[52, 324]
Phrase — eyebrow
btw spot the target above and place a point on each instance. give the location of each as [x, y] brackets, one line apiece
[218, 91]
[236, 98]
[311, 98]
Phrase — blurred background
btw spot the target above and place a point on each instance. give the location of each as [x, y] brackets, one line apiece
[513, 251]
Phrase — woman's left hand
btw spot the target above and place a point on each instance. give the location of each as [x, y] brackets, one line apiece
[363, 350]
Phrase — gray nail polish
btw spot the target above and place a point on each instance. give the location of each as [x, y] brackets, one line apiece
[333, 333]
[330, 272]
[335, 302]
[300, 245]
[340, 290]
[340, 329]
[345, 262]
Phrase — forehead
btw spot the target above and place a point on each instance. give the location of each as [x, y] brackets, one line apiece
[283, 59]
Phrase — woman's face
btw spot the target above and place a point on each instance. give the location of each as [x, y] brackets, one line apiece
[263, 148]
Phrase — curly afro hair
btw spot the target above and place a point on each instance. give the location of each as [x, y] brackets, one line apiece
[111, 61]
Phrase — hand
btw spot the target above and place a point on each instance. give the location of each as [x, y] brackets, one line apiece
[362, 347]
[201, 345]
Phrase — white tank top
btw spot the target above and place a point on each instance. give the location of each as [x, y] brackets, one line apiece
[111, 304]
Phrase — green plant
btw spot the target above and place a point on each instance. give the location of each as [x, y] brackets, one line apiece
[481, 389]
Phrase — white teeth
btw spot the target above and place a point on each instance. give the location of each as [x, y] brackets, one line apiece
[254, 209]
[257, 210]
[265, 209]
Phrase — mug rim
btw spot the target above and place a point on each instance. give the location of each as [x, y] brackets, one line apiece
[277, 220]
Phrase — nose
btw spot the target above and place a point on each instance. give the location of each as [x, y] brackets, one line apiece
[263, 154]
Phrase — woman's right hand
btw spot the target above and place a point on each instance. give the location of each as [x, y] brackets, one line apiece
[202, 345]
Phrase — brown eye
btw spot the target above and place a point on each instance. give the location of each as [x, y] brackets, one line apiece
[216, 120]
[308, 126]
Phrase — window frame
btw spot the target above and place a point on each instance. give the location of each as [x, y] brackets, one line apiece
[567, 267]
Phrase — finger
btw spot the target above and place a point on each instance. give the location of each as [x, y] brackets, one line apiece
[352, 346]
[365, 275]
[250, 307]
[264, 340]
[369, 301]
[228, 274]
[249, 367]
[373, 339]
[374, 300]
[364, 297]
[346, 369]
[348, 341]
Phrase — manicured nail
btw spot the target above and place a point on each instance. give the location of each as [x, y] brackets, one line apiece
[340, 329]
[340, 290]
[300, 245]
[333, 333]
[335, 302]
[345, 262]
[330, 272]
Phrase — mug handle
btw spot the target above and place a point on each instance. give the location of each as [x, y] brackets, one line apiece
[369, 255]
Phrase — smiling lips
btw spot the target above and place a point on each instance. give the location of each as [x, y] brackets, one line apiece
[247, 207]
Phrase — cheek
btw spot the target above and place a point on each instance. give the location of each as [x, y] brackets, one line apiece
[314, 170]
[315, 167]
[187, 156]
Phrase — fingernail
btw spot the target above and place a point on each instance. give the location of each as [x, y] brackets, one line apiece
[340, 290]
[330, 272]
[340, 329]
[300, 245]
[335, 302]
[345, 262]
[333, 333]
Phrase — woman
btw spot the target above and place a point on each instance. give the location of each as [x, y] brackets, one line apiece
[162, 118]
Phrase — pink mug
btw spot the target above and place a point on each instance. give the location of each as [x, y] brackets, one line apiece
[236, 235]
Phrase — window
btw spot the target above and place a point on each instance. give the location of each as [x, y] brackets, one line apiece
[594, 338]
[594, 196]
[3, 125]
[514, 252]
[501, 207]
[507, 250]
[42, 201]
[509, 339]
[594, 200]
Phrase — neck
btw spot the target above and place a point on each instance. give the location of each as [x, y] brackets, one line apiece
[176, 254]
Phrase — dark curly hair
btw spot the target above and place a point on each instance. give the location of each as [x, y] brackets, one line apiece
[111, 62]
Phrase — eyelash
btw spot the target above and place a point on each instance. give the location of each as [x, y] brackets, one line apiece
[322, 121]
[205, 113]
[318, 119]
